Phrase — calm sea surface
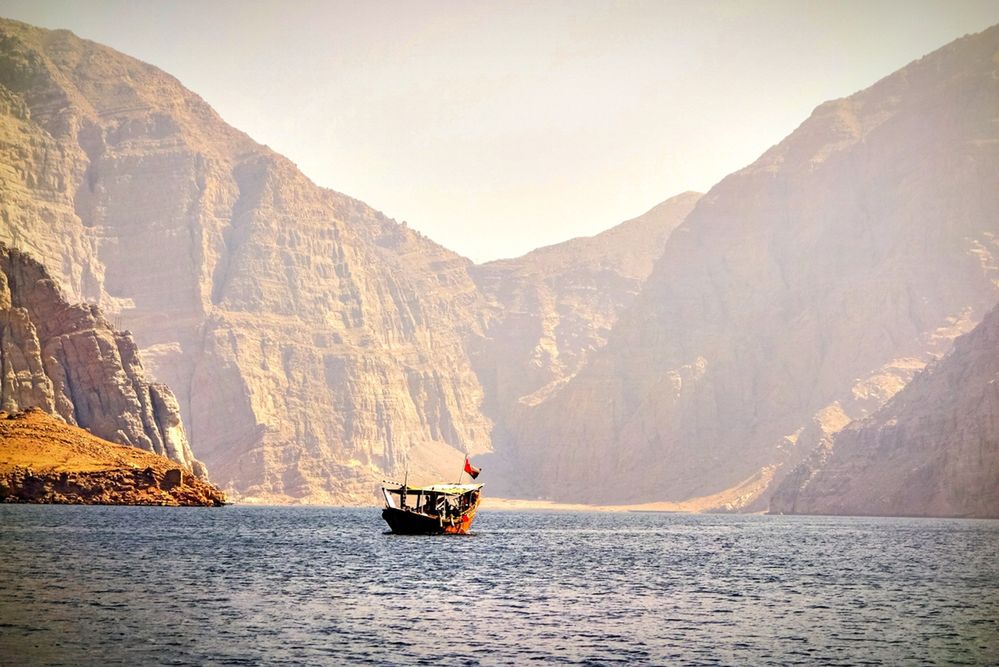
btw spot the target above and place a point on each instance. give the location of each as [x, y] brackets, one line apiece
[251, 585]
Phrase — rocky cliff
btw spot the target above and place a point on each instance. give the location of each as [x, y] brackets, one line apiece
[800, 293]
[314, 345]
[68, 361]
[43, 460]
[933, 450]
[550, 309]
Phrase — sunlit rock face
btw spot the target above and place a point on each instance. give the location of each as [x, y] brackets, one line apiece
[800, 293]
[933, 450]
[68, 361]
[314, 345]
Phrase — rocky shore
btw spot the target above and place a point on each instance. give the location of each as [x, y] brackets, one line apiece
[43, 460]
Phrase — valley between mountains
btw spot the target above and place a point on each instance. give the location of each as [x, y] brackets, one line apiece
[788, 336]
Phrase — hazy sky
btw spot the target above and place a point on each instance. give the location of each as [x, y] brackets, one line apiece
[497, 127]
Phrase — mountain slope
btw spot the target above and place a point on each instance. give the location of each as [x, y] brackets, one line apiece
[314, 344]
[555, 305]
[549, 311]
[800, 293]
[933, 450]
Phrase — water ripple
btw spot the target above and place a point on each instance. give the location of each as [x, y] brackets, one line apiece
[250, 586]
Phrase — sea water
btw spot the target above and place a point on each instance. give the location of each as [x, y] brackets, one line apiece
[309, 585]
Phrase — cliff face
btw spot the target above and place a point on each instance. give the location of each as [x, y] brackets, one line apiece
[313, 344]
[68, 361]
[550, 309]
[933, 450]
[800, 293]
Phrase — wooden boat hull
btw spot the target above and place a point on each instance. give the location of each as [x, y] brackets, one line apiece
[408, 522]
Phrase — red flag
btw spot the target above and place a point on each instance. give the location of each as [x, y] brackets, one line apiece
[470, 469]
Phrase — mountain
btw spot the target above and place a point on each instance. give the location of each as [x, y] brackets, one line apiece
[550, 309]
[44, 460]
[700, 351]
[556, 304]
[68, 361]
[800, 294]
[314, 344]
[933, 450]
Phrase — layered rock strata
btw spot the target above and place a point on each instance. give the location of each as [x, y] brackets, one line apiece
[67, 360]
[933, 450]
[798, 295]
[43, 460]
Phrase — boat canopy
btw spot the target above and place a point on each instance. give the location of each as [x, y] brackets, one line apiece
[446, 489]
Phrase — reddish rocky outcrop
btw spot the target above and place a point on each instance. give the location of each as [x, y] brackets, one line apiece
[43, 460]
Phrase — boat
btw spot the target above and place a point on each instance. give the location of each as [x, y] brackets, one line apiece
[439, 509]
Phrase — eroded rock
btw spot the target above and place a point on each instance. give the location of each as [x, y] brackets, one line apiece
[68, 361]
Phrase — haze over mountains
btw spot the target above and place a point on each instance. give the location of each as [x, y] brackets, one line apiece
[705, 348]
[940, 429]
[554, 306]
[799, 294]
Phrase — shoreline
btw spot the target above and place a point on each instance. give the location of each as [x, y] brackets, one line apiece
[513, 504]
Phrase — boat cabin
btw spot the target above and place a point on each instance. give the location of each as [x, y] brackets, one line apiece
[438, 500]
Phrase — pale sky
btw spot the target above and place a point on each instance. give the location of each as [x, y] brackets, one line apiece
[498, 127]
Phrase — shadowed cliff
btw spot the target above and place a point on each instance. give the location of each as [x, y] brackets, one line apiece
[933, 450]
[800, 293]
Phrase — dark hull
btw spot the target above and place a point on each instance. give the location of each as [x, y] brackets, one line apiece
[407, 522]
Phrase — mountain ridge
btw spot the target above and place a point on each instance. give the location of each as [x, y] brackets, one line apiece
[316, 345]
[819, 274]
